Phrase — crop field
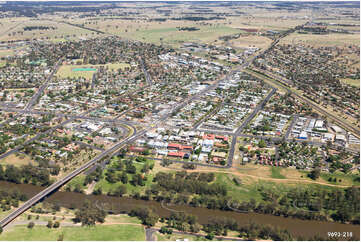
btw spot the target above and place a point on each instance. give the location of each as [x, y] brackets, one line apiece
[339, 40]
[164, 32]
[251, 41]
[57, 31]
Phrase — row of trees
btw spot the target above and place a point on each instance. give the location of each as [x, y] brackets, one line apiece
[214, 226]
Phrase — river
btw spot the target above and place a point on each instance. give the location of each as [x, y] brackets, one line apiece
[296, 227]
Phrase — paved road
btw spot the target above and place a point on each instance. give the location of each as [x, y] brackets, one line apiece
[41, 89]
[294, 120]
[146, 74]
[149, 234]
[244, 124]
[215, 110]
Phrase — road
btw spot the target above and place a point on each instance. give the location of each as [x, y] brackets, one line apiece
[244, 124]
[146, 74]
[41, 89]
[294, 120]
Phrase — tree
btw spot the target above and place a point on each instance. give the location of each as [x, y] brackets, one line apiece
[262, 144]
[120, 191]
[31, 225]
[56, 224]
[210, 236]
[147, 216]
[1, 229]
[50, 224]
[89, 214]
[165, 230]
[315, 173]
[124, 178]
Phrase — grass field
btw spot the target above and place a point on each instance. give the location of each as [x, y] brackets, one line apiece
[243, 192]
[15, 160]
[276, 173]
[77, 182]
[67, 70]
[98, 232]
[341, 178]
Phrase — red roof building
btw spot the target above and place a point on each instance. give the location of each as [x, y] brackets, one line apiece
[137, 149]
[187, 147]
[174, 146]
[176, 154]
[209, 136]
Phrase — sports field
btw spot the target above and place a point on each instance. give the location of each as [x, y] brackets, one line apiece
[85, 71]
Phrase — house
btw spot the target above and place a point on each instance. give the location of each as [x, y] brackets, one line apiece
[162, 152]
[151, 135]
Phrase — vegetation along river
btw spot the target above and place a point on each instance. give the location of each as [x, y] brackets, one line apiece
[297, 227]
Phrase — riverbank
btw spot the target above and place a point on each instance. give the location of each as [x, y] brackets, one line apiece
[116, 205]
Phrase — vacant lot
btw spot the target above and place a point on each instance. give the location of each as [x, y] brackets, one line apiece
[17, 160]
[352, 82]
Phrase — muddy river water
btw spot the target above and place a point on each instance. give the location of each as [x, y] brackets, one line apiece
[297, 227]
